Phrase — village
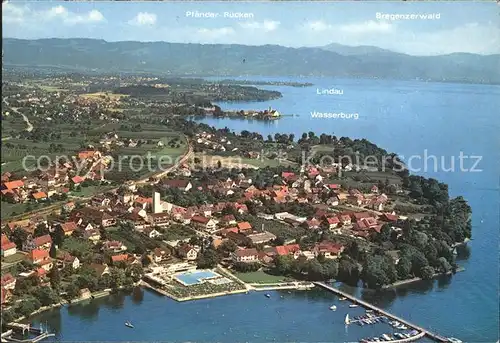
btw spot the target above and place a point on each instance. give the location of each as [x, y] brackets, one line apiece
[78, 227]
[243, 246]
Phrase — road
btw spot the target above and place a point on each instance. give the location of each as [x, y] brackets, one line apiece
[29, 126]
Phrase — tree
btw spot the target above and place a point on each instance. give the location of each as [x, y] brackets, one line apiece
[46, 295]
[209, 259]
[330, 269]
[41, 230]
[135, 271]
[227, 247]
[427, 273]
[385, 233]
[404, 268]
[19, 236]
[53, 251]
[117, 277]
[314, 270]
[418, 262]
[145, 260]
[72, 291]
[444, 266]
[283, 264]
[55, 278]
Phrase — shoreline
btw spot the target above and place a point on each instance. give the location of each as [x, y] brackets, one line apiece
[415, 279]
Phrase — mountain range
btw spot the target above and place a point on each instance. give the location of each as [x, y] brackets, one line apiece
[333, 60]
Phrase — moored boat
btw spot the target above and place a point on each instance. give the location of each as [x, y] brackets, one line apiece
[353, 305]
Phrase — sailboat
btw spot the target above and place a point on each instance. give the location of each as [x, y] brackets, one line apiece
[129, 324]
[347, 321]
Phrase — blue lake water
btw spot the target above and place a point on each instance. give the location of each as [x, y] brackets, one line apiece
[408, 118]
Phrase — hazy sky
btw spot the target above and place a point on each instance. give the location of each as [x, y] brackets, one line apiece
[461, 27]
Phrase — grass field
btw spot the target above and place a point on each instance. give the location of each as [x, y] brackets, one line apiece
[259, 277]
[17, 257]
[112, 96]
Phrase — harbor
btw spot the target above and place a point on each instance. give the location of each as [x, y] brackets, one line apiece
[416, 332]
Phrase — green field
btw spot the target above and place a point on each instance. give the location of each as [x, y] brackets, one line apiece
[260, 277]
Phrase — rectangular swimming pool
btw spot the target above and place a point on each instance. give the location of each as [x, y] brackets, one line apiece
[195, 277]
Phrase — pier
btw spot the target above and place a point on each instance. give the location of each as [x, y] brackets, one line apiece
[23, 328]
[355, 300]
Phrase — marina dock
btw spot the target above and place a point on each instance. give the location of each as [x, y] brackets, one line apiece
[431, 335]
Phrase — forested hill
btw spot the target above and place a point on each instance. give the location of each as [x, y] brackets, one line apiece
[235, 60]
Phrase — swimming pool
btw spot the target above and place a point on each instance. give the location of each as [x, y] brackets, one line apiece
[195, 277]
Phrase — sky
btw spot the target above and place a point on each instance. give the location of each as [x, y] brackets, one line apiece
[472, 27]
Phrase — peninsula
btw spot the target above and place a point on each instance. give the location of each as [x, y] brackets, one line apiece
[225, 213]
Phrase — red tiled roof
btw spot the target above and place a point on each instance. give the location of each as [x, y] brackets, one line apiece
[8, 246]
[14, 184]
[389, 217]
[244, 226]
[7, 278]
[5, 239]
[330, 247]
[77, 179]
[119, 258]
[42, 240]
[287, 249]
[39, 195]
[200, 219]
[332, 220]
[38, 254]
[69, 226]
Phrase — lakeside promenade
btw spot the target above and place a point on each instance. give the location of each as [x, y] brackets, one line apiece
[431, 335]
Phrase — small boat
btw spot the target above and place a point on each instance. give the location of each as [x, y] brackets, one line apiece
[454, 340]
[353, 305]
[346, 320]
[343, 298]
[333, 307]
[369, 311]
[268, 295]
[129, 324]
[386, 337]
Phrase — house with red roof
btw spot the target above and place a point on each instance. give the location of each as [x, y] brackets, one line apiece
[114, 246]
[12, 185]
[250, 255]
[36, 256]
[187, 252]
[77, 180]
[345, 219]
[8, 248]
[328, 249]
[332, 222]
[69, 228]
[8, 281]
[39, 196]
[244, 226]
[42, 243]
[389, 217]
[204, 223]
[289, 249]
[68, 259]
[119, 258]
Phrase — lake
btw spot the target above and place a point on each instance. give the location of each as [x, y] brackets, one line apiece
[408, 118]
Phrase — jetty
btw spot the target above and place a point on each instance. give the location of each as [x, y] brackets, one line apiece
[435, 337]
[41, 335]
